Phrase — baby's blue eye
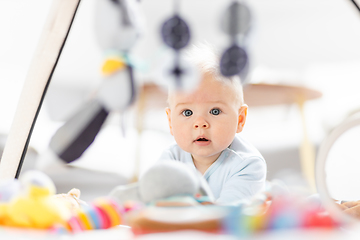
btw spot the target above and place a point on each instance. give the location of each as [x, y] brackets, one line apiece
[187, 113]
[215, 111]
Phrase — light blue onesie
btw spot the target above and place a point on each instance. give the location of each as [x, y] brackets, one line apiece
[238, 173]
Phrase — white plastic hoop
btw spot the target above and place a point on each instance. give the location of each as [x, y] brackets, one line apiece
[321, 159]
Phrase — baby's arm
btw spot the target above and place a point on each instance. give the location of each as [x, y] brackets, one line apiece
[244, 181]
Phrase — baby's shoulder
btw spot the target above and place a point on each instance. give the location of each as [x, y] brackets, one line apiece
[241, 150]
[241, 156]
[250, 165]
[174, 149]
[174, 152]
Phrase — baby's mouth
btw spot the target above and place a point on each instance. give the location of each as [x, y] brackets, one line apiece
[201, 139]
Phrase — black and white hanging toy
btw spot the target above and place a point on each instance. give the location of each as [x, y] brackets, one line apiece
[175, 33]
[117, 27]
[235, 23]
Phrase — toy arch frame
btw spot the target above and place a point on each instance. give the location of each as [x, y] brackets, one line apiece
[52, 40]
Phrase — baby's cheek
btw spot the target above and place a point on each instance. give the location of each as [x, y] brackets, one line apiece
[180, 128]
[182, 137]
[226, 135]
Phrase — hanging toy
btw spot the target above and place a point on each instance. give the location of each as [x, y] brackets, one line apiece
[117, 27]
[118, 24]
[176, 34]
[235, 23]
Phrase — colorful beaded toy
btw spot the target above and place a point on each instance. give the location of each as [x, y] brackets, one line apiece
[103, 213]
[284, 212]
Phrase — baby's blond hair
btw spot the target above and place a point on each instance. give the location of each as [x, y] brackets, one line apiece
[205, 57]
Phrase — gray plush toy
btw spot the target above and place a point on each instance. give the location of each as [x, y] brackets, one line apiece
[163, 180]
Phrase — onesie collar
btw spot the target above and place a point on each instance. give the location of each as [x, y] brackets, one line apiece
[216, 164]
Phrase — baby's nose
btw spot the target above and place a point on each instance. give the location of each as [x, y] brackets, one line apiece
[201, 123]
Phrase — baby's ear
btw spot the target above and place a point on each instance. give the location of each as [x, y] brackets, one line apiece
[168, 113]
[241, 117]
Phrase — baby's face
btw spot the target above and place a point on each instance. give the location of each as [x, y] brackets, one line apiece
[204, 122]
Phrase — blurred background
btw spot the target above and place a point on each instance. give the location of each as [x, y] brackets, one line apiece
[309, 44]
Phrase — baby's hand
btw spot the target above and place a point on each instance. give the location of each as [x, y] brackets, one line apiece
[352, 208]
[72, 199]
[350, 204]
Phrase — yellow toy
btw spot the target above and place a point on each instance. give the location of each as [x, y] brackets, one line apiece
[35, 207]
[113, 64]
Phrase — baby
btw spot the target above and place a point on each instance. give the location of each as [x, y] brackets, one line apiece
[205, 122]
